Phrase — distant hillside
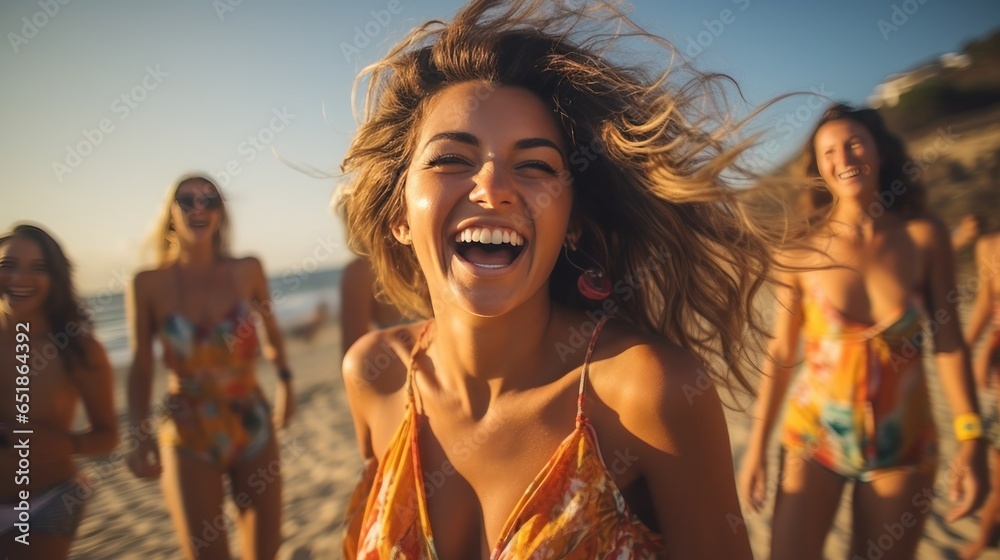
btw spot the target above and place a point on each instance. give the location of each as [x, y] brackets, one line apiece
[952, 91]
[958, 159]
[951, 126]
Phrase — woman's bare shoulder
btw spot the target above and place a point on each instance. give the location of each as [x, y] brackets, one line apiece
[151, 280]
[377, 363]
[642, 375]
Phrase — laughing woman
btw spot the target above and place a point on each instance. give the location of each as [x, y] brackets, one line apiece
[537, 411]
[201, 303]
[48, 340]
[860, 411]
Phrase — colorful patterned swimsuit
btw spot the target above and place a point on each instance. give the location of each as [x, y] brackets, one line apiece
[861, 407]
[216, 411]
[572, 509]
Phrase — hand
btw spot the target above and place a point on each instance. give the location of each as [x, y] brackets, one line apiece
[965, 232]
[753, 480]
[969, 479]
[144, 460]
[284, 404]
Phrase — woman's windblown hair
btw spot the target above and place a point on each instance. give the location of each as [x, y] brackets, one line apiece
[659, 191]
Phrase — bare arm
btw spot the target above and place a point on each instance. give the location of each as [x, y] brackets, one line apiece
[274, 347]
[140, 375]
[951, 359]
[984, 298]
[356, 302]
[260, 297]
[777, 372]
[144, 459]
[358, 391]
[684, 455]
[96, 390]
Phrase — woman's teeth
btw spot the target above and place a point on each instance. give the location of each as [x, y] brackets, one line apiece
[489, 236]
[20, 292]
[848, 174]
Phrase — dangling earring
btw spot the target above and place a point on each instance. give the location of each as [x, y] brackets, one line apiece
[594, 282]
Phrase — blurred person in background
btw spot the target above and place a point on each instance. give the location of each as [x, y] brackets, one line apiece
[205, 307]
[47, 339]
[985, 317]
[870, 274]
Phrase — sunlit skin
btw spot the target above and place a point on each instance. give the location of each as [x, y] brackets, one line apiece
[489, 174]
[195, 228]
[492, 372]
[875, 265]
[54, 391]
[23, 270]
[845, 148]
[360, 311]
[193, 489]
[986, 368]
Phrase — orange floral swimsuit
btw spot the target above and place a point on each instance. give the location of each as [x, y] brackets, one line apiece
[861, 407]
[572, 509]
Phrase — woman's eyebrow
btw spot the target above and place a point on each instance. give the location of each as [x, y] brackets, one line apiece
[463, 137]
[536, 143]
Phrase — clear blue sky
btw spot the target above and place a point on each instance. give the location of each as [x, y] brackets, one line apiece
[198, 81]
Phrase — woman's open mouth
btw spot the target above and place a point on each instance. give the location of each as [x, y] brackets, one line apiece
[489, 247]
[20, 294]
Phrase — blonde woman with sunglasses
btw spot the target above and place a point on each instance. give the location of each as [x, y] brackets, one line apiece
[205, 306]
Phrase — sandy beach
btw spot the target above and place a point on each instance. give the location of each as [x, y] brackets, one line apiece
[126, 518]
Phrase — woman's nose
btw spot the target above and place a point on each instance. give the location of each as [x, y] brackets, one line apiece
[493, 186]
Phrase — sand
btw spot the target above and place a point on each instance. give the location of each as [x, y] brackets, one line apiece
[126, 518]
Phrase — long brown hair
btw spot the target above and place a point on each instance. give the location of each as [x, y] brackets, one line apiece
[651, 198]
[907, 193]
[64, 310]
[163, 239]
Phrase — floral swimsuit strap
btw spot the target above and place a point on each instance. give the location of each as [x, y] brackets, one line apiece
[580, 416]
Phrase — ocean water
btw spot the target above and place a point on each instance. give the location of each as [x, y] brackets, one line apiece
[295, 297]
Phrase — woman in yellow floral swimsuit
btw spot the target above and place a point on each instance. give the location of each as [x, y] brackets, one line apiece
[873, 270]
[581, 269]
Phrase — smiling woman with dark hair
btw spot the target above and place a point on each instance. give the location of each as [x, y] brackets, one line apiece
[875, 266]
[46, 337]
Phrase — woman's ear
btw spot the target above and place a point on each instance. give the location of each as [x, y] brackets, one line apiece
[573, 233]
[402, 234]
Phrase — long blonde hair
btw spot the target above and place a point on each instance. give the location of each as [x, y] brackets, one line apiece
[163, 239]
[655, 206]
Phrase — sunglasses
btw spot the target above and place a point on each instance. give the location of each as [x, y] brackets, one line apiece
[188, 202]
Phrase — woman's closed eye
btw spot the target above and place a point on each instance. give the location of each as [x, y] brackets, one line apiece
[539, 165]
[446, 160]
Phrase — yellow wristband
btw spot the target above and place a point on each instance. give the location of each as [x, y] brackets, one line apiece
[968, 426]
